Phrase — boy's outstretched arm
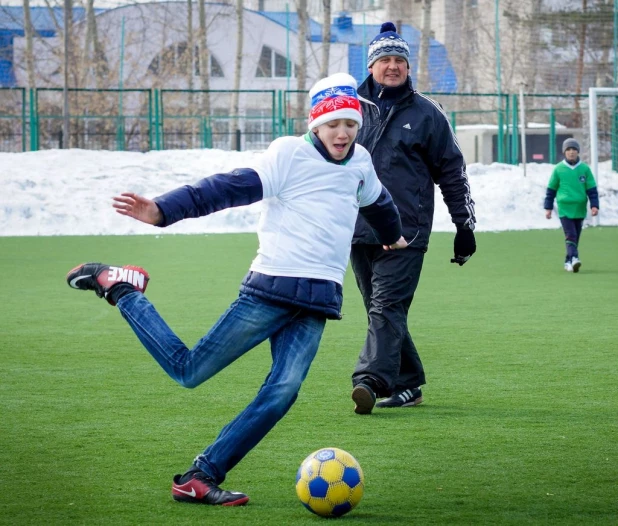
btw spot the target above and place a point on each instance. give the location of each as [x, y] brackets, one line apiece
[217, 192]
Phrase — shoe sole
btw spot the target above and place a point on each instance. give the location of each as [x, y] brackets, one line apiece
[576, 266]
[416, 402]
[191, 500]
[363, 400]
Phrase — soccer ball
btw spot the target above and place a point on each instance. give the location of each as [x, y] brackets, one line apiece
[330, 482]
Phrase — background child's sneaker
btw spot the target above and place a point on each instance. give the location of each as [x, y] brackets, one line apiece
[568, 266]
[576, 264]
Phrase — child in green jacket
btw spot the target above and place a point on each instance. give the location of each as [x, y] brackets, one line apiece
[572, 184]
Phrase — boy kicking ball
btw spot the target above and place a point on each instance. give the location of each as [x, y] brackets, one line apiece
[312, 188]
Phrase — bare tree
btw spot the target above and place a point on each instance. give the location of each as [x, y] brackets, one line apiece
[28, 30]
[189, 53]
[580, 63]
[392, 10]
[326, 34]
[68, 17]
[93, 55]
[535, 38]
[422, 75]
[190, 64]
[237, 69]
[466, 44]
[204, 59]
[303, 22]
[603, 78]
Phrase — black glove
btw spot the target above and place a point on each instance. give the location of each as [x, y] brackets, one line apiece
[465, 245]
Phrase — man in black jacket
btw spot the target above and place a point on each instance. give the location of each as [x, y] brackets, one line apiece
[413, 148]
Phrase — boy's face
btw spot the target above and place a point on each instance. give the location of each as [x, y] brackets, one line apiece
[571, 154]
[337, 136]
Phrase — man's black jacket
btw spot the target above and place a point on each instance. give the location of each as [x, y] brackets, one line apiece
[413, 148]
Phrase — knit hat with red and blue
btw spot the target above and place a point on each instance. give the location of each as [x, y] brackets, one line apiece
[388, 43]
[334, 98]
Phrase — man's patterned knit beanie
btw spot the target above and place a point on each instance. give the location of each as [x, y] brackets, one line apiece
[388, 43]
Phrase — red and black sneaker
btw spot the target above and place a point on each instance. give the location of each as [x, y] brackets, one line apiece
[197, 487]
[101, 278]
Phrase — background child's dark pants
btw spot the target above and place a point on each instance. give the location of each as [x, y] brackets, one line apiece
[572, 230]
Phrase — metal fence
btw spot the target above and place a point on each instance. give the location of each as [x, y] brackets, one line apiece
[13, 121]
[156, 119]
[550, 118]
[108, 119]
[227, 120]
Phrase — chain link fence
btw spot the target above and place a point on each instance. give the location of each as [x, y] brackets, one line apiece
[488, 125]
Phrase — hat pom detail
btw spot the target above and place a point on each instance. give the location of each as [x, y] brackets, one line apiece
[387, 43]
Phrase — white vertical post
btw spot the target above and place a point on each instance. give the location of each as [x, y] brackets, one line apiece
[594, 142]
[522, 118]
[594, 148]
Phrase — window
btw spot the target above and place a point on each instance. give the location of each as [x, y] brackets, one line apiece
[281, 66]
[264, 68]
[272, 64]
[215, 68]
[173, 61]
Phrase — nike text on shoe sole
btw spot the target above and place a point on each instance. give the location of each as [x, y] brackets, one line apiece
[100, 278]
[364, 400]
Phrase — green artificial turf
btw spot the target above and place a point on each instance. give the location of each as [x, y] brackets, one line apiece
[519, 424]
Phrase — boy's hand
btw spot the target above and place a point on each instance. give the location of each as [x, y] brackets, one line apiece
[548, 214]
[594, 210]
[400, 243]
[138, 207]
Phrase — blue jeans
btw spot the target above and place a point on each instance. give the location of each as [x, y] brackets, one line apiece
[294, 339]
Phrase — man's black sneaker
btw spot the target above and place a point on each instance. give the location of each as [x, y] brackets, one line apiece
[101, 278]
[195, 486]
[364, 398]
[405, 398]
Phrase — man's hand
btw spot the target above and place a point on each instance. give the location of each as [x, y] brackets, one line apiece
[594, 210]
[138, 207]
[400, 243]
[548, 214]
[464, 245]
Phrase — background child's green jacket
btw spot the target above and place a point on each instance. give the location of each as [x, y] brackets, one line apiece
[571, 183]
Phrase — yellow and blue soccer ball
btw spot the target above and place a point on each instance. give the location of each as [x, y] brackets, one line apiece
[330, 482]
